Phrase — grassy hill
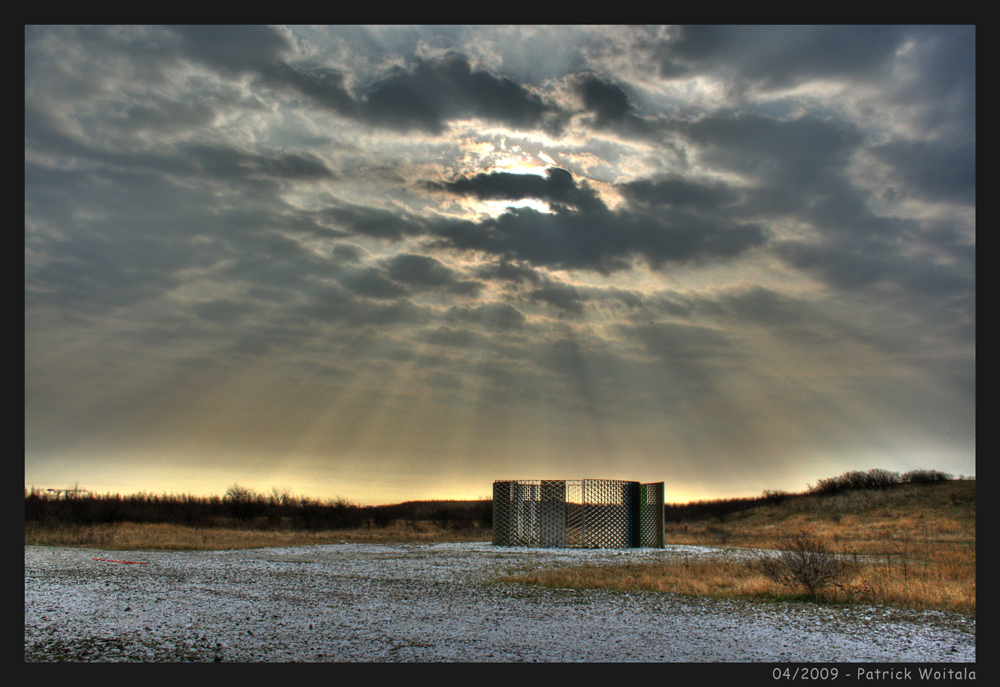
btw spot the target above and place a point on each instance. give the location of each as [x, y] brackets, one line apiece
[944, 513]
[904, 545]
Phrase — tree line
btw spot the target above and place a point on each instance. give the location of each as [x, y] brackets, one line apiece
[281, 509]
[243, 507]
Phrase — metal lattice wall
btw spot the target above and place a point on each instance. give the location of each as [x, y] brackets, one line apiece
[587, 513]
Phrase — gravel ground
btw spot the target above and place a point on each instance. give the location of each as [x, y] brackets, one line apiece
[387, 603]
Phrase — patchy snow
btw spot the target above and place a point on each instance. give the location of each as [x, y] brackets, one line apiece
[368, 602]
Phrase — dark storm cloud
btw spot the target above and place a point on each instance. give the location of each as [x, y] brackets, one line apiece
[263, 51]
[130, 229]
[557, 187]
[324, 86]
[611, 107]
[224, 163]
[424, 96]
[676, 191]
[604, 242]
[583, 233]
[422, 272]
[236, 49]
[606, 100]
[434, 91]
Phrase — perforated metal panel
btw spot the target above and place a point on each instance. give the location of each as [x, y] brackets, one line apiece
[651, 515]
[589, 513]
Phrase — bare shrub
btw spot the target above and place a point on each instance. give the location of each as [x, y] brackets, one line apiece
[926, 476]
[876, 478]
[803, 561]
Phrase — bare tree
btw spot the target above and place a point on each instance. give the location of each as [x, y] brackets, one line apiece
[804, 560]
[281, 497]
[242, 502]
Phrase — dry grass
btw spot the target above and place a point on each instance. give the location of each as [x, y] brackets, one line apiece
[136, 537]
[944, 583]
[913, 546]
[718, 578]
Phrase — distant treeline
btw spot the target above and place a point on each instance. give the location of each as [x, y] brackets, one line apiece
[244, 507]
[280, 509]
[857, 479]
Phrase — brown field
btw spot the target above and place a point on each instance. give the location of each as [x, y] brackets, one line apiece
[138, 537]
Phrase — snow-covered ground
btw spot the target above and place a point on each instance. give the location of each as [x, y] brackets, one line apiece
[366, 602]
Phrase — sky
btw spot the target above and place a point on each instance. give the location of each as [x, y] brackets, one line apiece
[399, 263]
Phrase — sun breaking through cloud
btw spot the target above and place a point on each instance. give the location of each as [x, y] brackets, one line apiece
[395, 263]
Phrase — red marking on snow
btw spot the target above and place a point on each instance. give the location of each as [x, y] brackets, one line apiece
[108, 560]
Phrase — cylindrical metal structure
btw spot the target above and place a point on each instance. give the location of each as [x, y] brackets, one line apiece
[588, 513]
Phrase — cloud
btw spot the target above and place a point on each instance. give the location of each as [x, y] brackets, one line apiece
[674, 190]
[934, 170]
[374, 222]
[236, 49]
[557, 187]
[228, 163]
[334, 304]
[423, 272]
[432, 92]
[781, 56]
[373, 283]
[581, 233]
[797, 152]
[500, 316]
[607, 101]
[563, 297]
[752, 241]
[423, 96]
[603, 242]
